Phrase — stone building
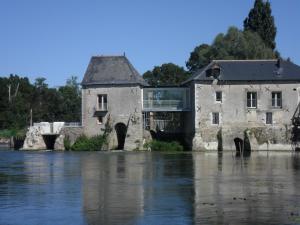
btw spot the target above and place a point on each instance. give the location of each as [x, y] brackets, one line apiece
[226, 101]
[112, 102]
[243, 99]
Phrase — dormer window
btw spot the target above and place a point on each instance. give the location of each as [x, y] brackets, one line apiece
[214, 71]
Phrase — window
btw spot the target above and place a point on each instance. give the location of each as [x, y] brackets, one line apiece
[269, 118]
[276, 99]
[251, 99]
[100, 119]
[218, 96]
[215, 118]
[102, 102]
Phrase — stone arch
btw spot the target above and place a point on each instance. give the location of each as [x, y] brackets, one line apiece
[121, 130]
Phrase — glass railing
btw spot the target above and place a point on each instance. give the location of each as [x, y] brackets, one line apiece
[169, 99]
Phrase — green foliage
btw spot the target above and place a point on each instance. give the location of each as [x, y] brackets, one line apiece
[166, 74]
[83, 143]
[235, 44]
[261, 21]
[162, 146]
[12, 133]
[67, 143]
[47, 104]
[6, 133]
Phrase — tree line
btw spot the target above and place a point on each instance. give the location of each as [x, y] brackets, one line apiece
[22, 102]
[255, 41]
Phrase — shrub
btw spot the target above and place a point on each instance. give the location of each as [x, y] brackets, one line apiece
[162, 146]
[67, 143]
[83, 143]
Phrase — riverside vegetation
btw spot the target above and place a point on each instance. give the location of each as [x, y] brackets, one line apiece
[163, 146]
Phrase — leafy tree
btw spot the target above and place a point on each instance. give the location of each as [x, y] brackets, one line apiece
[166, 74]
[47, 104]
[261, 21]
[235, 44]
[71, 105]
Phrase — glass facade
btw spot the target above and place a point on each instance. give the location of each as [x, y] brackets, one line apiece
[166, 99]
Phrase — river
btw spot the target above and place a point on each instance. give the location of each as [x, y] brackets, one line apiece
[148, 188]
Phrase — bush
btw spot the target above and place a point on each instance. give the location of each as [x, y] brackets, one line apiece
[162, 146]
[83, 143]
[67, 143]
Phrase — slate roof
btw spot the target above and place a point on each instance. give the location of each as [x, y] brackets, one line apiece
[250, 70]
[111, 70]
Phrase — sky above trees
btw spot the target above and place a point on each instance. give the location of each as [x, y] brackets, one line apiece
[55, 39]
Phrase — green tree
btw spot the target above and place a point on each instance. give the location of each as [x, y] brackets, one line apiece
[166, 74]
[261, 21]
[235, 44]
[71, 101]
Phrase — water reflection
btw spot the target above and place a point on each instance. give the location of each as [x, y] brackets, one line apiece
[149, 188]
[137, 188]
[262, 189]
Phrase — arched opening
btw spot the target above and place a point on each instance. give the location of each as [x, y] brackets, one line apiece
[121, 131]
[242, 147]
[239, 145]
[49, 140]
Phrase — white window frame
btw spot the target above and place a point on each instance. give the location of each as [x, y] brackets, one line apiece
[104, 106]
[275, 101]
[252, 99]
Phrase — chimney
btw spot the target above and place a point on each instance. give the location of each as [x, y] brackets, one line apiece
[278, 64]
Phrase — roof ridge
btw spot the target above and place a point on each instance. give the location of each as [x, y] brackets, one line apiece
[107, 56]
[244, 60]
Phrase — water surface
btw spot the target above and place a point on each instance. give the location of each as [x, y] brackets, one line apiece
[148, 188]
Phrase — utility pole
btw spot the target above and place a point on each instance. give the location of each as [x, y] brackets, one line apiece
[31, 117]
[9, 95]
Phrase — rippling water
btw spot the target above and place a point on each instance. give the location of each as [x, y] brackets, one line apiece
[148, 188]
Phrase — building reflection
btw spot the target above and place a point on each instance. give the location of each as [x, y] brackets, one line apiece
[137, 188]
[112, 188]
[256, 190]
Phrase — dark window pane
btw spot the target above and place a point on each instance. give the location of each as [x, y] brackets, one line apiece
[269, 119]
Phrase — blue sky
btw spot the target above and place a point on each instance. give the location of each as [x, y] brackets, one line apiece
[56, 38]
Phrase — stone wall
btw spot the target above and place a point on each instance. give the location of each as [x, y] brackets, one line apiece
[70, 133]
[236, 118]
[34, 139]
[124, 106]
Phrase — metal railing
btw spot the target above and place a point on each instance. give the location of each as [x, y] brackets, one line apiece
[73, 124]
[164, 104]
